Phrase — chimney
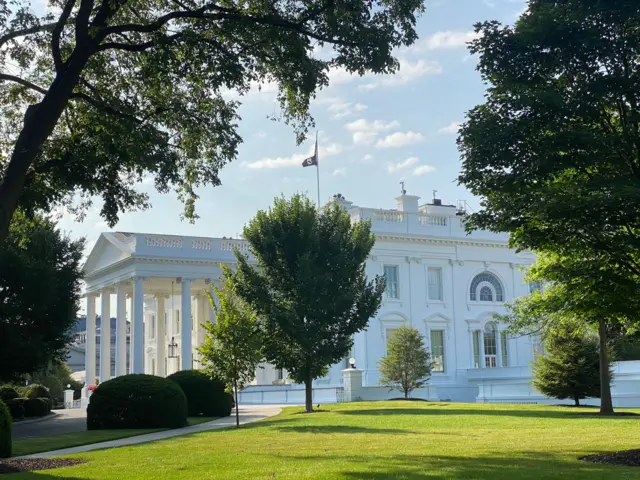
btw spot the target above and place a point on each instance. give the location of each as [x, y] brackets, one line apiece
[407, 203]
[437, 201]
[342, 201]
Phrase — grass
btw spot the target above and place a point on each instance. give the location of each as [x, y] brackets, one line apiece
[381, 440]
[27, 446]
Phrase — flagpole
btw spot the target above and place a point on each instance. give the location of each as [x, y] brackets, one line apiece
[317, 169]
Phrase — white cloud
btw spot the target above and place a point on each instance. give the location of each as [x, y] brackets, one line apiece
[368, 158]
[296, 159]
[444, 40]
[260, 134]
[400, 139]
[450, 129]
[422, 169]
[366, 132]
[394, 167]
[489, 3]
[407, 73]
[340, 108]
[358, 107]
[342, 171]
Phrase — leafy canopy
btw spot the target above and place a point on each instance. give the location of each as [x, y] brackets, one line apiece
[555, 149]
[308, 286]
[406, 365]
[232, 347]
[40, 273]
[97, 94]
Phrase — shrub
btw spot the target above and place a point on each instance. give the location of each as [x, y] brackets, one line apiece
[16, 407]
[5, 431]
[137, 401]
[39, 391]
[205, 396]
[8, 392]
[37, 407]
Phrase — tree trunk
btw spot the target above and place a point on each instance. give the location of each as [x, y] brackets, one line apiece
[308, 394]
[39, 122]
[577, 401]
[235, 398]
[606, 404]
[406, 394]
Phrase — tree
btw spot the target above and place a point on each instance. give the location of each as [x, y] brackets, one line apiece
[406, 365]
[569, 367]
[308, 286]
[40, 273]
[232, 348]
[582, 294]
[104, 92]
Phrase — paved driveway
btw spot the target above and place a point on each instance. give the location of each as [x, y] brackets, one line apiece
[66, 421]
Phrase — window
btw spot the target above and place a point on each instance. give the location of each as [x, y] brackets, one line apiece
[535, 287]
[490, 346]
[153, 326]
[486, 287]
[504, 344]
[476, 349]
[388, 334]
[437, 350]
[391, 279]
[434, 278]
[279, 374]
[177, 326]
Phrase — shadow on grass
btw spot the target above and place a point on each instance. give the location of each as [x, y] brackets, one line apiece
[523, 466]
[588, 414]
[340, 429]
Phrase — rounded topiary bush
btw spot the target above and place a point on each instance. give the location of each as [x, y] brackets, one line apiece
[16, 407]
[5, 431]
[206, 396]
[37, 391]
[37, 407]
[8, 392]
[137, 401]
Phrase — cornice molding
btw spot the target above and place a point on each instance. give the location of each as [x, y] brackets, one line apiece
[441, 241]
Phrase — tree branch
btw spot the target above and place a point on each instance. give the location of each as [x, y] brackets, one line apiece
[82, 21]
[57, 32]
[137, 47]
[26, 31]
[23, 82]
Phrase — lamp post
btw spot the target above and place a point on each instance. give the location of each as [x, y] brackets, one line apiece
[352, 362]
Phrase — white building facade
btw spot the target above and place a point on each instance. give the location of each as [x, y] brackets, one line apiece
[446, 283]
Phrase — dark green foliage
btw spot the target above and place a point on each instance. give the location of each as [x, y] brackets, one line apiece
[8, 392]
[406, 365]
[16, 407]
[56, 377]
[627, 349]
[5, 431]
[309, 288]
[37, 391]
[141, 88]
[39, 294]
[569, 367]
[137, 401]
[206, 396]
[37, 407]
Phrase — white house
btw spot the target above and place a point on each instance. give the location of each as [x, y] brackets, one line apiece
[443, 281]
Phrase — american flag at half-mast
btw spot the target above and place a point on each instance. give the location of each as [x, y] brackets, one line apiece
[313, 159]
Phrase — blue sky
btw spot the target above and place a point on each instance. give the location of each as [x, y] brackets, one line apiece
[374, 132]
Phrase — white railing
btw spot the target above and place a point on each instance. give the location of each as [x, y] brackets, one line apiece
[389, 216]
[162, 241]
[201, 244]
[230, 245]
[432, 220]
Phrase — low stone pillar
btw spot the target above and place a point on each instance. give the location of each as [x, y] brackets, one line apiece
[68, 399]
[352, 384]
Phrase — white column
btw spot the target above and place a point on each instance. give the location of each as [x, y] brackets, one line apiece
[185, 327]
[482, 360]
[90, 343]
[137, 359]
[105, 336]
[161, 337]
[498, 348]
[121, 330]
[148, 330]
[130, 367]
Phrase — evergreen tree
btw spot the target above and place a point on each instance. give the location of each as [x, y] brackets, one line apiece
[569, 367]
[406, 365]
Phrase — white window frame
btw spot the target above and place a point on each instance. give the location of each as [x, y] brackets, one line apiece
[387, 328]
[484, 283]
[444, 348]
[397, 268]
[442, 323]
[435, 300]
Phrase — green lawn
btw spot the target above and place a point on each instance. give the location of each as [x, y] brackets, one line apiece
[381, 440]
[26, 446]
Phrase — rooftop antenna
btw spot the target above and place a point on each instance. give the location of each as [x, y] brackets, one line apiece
[434, 194]
[402, 191]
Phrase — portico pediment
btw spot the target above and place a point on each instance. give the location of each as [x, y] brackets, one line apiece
[107, 251]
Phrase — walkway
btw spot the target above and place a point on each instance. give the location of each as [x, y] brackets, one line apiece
[64, 421]
[249, 413]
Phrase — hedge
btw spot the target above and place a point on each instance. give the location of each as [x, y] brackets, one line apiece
[137, 401]
[16, 407]
[205, 396]
[37, 407]
[8, 392]
[5, 431]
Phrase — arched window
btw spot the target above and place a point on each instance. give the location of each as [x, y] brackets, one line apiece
[485, 287]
